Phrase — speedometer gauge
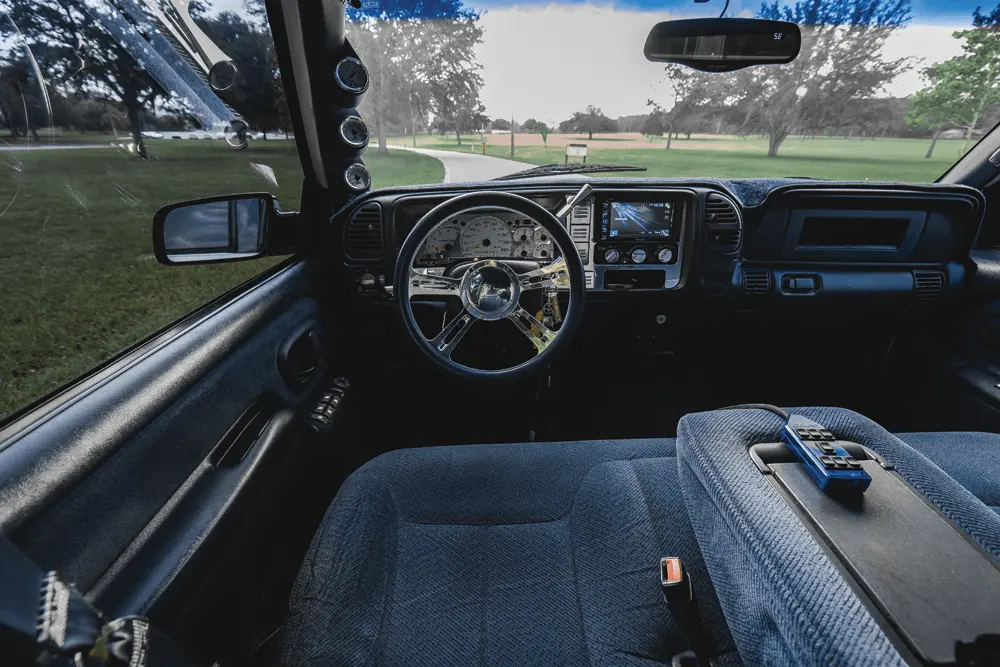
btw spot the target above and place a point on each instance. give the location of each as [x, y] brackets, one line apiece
[487, 236]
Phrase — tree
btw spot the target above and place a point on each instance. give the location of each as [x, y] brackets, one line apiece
[841, 60]
[55, 31]
[960, 91]
[457, 107]
[656, 124]
[416, 55]
[537, 127]
[591, 120]
[257, 94]
[501, 124]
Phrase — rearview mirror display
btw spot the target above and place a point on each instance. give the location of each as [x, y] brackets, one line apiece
[723, 45]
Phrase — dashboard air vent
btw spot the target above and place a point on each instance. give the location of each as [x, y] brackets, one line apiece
[723, 231]
[927, 287]
[363, 237]
[757, 281]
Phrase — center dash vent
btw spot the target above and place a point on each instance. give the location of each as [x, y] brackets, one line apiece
[756, 281]
[723, 228]
[363, 236]
[927, 287]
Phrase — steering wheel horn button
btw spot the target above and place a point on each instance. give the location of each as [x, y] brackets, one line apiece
[490, 290]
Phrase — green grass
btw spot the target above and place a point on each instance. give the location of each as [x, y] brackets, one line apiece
[735, 157]
[78, 281]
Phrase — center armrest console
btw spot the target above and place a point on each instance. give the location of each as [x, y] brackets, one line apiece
[905, 573]
[918, 571]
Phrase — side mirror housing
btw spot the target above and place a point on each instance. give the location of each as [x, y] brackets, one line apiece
[233, 228]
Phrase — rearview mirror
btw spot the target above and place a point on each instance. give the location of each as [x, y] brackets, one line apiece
[723, 45]
[219, 229]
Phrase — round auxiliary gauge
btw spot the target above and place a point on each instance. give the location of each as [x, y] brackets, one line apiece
[358, 177]
[611, 255]
[354, 131]
[351, 75]
[665, 255]
[638, 255]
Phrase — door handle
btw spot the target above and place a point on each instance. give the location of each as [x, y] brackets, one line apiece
[302, 356]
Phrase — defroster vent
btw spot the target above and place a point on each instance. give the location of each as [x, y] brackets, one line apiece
[723, 227]
[363, 237]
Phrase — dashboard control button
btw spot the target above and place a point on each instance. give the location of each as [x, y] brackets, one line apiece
[638, 255]
[611, 256]
[367, 280]
[664, 255]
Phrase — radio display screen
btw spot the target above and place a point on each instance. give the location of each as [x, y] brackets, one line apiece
[640, 220]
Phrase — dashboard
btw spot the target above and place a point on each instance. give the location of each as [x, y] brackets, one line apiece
[743, 242]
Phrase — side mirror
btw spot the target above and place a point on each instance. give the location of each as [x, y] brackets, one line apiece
[723, 45]
[218, 229]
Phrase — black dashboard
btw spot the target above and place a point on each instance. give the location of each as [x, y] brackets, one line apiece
[744, 242]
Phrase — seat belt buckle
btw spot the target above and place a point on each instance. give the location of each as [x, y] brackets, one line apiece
[674, 582]
[678, 593]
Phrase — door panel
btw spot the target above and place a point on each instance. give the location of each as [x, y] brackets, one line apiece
[966, 394]
[122, 472]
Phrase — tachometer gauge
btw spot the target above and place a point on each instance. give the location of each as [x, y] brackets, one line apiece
[487, 236]
[441, 242]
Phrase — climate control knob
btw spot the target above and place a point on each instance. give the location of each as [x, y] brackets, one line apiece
[665, 255]
[611, 255]
[638, 255]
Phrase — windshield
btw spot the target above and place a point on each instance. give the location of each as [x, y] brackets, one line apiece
[883, 90]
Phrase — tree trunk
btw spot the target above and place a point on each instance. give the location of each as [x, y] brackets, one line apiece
[590, 134]
[668, 141]
[930, 149]
[458, 136]
[775, 140]
[132, 109]
[968, 134]
[413, 127]
[383, 149]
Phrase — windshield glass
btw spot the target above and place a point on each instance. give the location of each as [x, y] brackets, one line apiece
[883, 90]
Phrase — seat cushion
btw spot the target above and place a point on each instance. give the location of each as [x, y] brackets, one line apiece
[972, 459]
[522, 554]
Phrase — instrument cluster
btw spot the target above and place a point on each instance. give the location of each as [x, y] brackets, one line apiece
[486, 234]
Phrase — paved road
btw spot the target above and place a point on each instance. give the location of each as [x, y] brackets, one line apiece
[49, 147]
[460, 167]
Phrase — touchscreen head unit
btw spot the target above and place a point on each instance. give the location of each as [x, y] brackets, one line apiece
[640, 220]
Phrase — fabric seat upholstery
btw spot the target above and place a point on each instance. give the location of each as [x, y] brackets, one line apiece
[521, 554]
[972, 459]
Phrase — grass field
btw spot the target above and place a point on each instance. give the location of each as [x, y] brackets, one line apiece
[729, 157]
[78, 281]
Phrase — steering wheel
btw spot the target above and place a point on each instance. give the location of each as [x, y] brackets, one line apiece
[490, 290]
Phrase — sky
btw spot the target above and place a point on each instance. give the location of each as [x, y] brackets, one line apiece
[545, 60]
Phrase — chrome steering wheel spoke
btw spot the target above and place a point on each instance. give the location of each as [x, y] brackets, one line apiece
[423, 283]
[539, 334]
[555, 275]
[451, 335]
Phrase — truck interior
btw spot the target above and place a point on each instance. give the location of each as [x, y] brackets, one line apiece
[533, 421]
